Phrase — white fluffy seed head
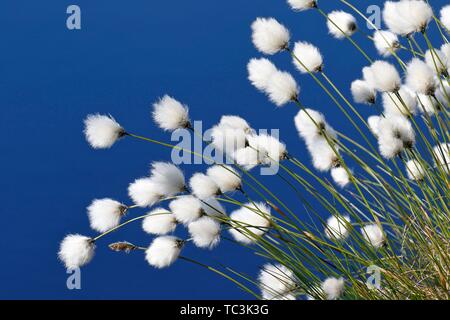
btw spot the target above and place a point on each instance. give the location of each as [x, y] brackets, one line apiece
[415, 170]
[105, 214]
[250, 222]
[301, 5]
[374, 124]
[203, 186]
[205, 232]
[260, 71]
[270, 149]
[333, 288]
[309, 57]
[76, 251]
[386, 42]
[102, 131]
[322, 154]
[442, 156]
[269, 36]
[420, 77]
[445, 17]
[407, 17]
[163, 251]
[406, 106]
[276, 281]
[437, 60]
[427, 104]
[445, 49]
[235, 122]
[340, 176]
[395, 134]
[443, 93]
[362, 92]
[169, 114]
[374, 235]
[159, 221]
[311, 124]
[225, 177]
[186, 209]
[338, 227]
[169, 177]
[144, 192]
[282, 88]
[341, 24]
[248, 158]
[228, 140]
[382, 76]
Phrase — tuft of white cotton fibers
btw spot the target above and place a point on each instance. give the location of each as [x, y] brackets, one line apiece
[76, 251]
[269, 36]
[102, 131]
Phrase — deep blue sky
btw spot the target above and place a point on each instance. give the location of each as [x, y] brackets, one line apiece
[127, 54]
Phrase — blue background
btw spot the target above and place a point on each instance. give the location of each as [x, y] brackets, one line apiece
[128, 54]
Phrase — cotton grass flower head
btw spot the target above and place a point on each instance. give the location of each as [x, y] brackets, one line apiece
[282, 88]
[407, 17]
[260, 71]
[169, 114]
[406, 106]
[203, 186]
[427, 104]
[102, 131]
[163, 251]
[443, 93]
[76, 251]
[363, 93]
[337, 227]
[159, 221]
[442, 156]
[420, 77]
[276, 282]
[445, 49]
[302, 5]
[225, 177]
[228, 140]
[438, 62]
[324, 156]
[445, 17]
[311, 124]
[333, 288]
[340, 176]
[248, 158]
[319, 136]
[386, 42]
[205, 232]
[105, 214]
[186, 209]
[250, 222]
[374, 125]
[169, 177]
[341, 24]
[235, 122]
[415, 170]
[270, 149]
[310, 58]
[269, 36]
[374, 235]
[145, 192]
[395, 134]
[382, 76]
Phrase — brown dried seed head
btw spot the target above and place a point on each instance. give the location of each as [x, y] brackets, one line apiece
[122, 246]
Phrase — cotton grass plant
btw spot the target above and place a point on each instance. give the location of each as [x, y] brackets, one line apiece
[384, 204]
